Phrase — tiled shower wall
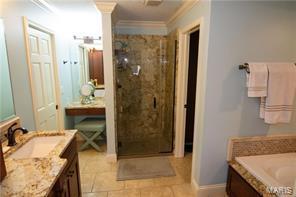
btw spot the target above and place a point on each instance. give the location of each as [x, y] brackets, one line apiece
[138, 120]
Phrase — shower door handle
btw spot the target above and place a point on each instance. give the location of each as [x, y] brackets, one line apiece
[154, 103]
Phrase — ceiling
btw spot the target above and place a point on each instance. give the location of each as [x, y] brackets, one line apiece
[136, 10]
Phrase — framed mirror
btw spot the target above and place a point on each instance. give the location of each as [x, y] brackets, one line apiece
[91, 59]
[87, 64]
[7, 110]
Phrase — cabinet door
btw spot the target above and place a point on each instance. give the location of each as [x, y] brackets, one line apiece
[238, 187]
[61, 189]
[66, 191]
[74, 179]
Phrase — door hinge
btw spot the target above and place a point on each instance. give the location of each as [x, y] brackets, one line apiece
[57, 107]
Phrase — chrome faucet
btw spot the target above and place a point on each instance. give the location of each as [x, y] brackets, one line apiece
[10, 134]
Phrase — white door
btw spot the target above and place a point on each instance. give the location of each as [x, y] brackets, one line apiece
[43, 80]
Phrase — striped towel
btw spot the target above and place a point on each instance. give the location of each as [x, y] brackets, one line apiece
[278, 106]
[257, 80]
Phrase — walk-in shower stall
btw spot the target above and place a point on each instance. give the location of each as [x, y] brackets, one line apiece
[145, 74]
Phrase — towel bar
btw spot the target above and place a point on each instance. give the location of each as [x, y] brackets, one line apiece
[245, 66]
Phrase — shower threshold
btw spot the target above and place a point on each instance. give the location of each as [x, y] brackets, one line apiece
[149, 147]
[144, 155]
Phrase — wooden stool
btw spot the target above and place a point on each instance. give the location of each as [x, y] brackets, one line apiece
[91, 129]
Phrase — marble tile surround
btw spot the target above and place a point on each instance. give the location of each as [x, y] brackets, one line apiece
[260, 145]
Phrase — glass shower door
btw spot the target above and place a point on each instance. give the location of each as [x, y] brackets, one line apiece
[142, 110]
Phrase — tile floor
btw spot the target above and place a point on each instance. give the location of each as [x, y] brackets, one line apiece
[98, 179]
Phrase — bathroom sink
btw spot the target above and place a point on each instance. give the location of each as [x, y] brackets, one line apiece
[37, 147]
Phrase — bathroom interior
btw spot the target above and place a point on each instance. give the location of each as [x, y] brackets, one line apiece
[148, 98]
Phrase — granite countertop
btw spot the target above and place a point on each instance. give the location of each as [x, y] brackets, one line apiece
[253, 181]
[34, 176]
[99, 102]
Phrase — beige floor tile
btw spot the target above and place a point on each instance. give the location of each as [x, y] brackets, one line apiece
[184, 162]
[114, 167]
[182, 167]
[185, 173]
[170, 180]
[90, 154]
[82, 163]
[107, 182]
[184, 190]
[87, 177]
[142, 183]
[157, 192]
[98, 178]
[87, 181]
[98, 194]
[97, 167]
[125, 193]
[86, 187]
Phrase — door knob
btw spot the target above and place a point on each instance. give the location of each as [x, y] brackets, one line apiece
[186, 106]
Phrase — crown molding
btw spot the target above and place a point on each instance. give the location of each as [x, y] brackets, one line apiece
[185, 7]
[46, 6]
[147, 24]
[106, 7]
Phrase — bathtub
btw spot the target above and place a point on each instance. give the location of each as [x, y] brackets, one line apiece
[277, 170]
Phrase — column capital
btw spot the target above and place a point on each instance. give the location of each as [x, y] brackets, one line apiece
[106, 7]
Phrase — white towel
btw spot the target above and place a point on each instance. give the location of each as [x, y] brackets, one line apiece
[277, 107]
[257, 80]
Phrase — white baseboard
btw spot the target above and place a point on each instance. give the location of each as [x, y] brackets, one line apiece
[112, 158]
[218, 190]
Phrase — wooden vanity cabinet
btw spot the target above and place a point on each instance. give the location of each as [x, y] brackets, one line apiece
[68, 184]
[238, 186]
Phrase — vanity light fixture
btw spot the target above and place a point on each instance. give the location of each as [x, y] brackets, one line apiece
[87, 39]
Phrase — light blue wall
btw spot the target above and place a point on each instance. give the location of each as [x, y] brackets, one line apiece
[201, 10]
[12, 15]
[6, 99]
[240, 32]
[71, 20]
